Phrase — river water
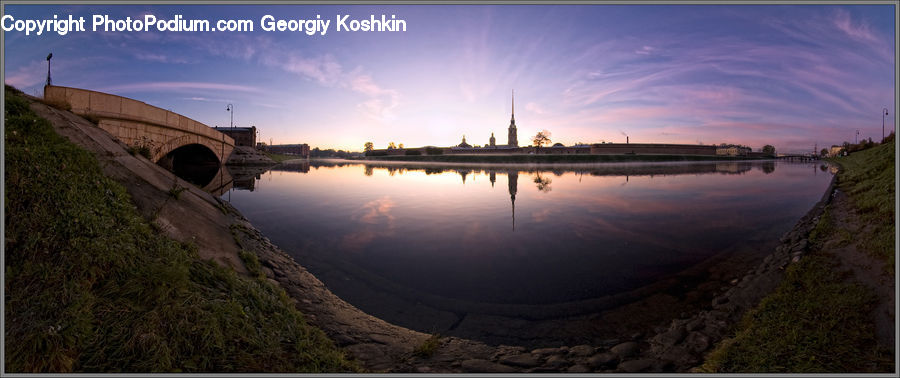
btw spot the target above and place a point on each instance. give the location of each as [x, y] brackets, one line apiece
[414, 243]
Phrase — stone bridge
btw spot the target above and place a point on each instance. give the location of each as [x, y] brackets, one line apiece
[172, 139]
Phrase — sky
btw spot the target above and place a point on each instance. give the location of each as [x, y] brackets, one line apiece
[793, 76]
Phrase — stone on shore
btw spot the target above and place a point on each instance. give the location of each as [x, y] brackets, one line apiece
[485, 366]
[581, 350]
[521, 360]
[636, 366]
[603, 360]
[626, 349]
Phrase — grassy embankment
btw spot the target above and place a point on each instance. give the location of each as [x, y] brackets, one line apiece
[818, 320]
[92, 287]
[868, 178]
[278, 158]
[526, 159]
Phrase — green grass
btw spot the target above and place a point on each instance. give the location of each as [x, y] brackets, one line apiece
[818, 320]
[868, 179]
[815, 322]
[91, 287]
[281, 157]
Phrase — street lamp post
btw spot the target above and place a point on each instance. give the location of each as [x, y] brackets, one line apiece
[856, 137]
[49, 56]
[230, 108]
[882, 122]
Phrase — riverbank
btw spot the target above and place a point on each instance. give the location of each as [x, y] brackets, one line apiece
[554, 159]
[835, 310]
[184, 213]
[93, 285]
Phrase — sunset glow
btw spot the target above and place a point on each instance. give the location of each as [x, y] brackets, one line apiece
[790, 76]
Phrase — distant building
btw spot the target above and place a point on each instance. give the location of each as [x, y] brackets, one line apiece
[733, 151]
[301, 150]
[512, 147]
[835, 151]
[243, 136]
[512, 138]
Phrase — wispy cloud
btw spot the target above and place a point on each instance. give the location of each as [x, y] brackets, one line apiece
[762, 91]
[534, 108]
[28, 75]
[323, 69]
[855, 29]
[179, 86]
[159, 58]
[781, 75]
[646, 50]
[205, 99]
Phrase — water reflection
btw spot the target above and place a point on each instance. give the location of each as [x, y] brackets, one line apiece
[543, 183]
[397, 239]
[513, 179]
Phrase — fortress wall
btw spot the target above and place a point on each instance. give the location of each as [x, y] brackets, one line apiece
[647, 148]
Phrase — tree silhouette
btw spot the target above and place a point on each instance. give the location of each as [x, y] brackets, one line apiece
[541, 138]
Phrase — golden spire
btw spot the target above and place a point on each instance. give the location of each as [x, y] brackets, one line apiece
[513, 118]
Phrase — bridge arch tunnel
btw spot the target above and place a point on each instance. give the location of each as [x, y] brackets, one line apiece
[194, 163]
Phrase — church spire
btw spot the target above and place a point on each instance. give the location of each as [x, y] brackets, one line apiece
[513, 117]
[512, 139]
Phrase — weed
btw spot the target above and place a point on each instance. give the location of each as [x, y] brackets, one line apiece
[428, 347]
[142, 147]
[251, 262]
[176, 191]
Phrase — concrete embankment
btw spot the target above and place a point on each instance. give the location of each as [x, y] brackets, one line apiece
[245, 155]
[220, 233]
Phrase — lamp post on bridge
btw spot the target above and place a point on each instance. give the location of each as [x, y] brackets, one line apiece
[885, 112]
[49, 82]
[230, 109]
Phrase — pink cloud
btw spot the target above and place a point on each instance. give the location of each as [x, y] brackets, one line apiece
[178, 86]
[861, 30]
[28, 75]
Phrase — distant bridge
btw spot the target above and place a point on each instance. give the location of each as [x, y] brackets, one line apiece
[174, 141]
[797, 157]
